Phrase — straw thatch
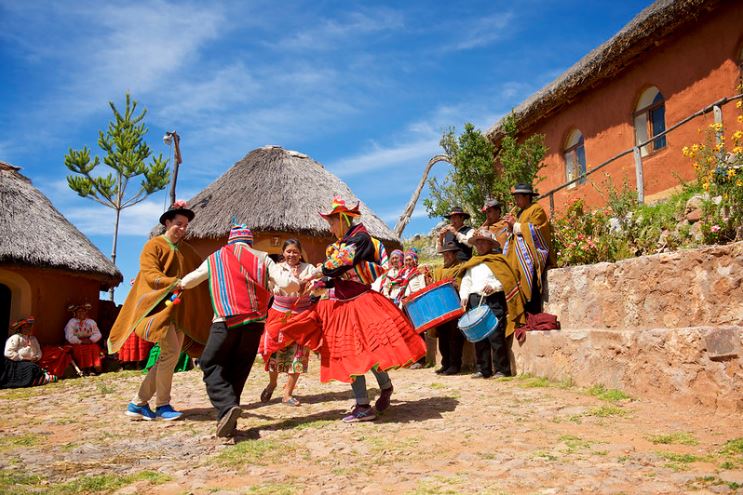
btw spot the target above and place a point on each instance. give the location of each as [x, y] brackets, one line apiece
[34, 233]
[273, 189]
[647, 30]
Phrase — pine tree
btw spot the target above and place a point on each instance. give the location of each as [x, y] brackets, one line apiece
[126, 153]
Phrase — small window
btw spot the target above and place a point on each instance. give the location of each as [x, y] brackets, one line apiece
[650, 121]
[575, 158]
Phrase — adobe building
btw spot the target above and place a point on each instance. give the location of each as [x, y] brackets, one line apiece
[45, 262]
[278, 193]
[672, 60]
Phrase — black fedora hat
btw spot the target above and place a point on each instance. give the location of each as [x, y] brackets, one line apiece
[524, 189]
[177, 208]
[457, 210]
[448, 246]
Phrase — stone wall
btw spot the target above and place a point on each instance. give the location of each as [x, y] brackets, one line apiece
[699, 287]
[668, 325]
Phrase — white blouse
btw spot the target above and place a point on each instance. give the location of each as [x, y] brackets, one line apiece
[304, 271]
[21, 347]
[76, 329]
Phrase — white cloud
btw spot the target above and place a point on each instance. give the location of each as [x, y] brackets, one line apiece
[326, 34]
[482, 31]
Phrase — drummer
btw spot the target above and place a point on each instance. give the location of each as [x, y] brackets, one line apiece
[451, 339]
[488, 279]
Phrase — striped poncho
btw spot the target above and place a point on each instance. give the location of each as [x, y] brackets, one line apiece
[238, 284]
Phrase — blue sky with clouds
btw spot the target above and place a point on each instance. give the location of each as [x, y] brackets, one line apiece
[366, 88]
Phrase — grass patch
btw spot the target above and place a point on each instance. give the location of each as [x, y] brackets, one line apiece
[317, 424]
[28, 440]
[437, 386]
[607, 394]
[676, 461]
[13, 483]
[542, 454]
[677, 438]
[259, 452]
[274, 489]
[527, 380]
[733, 447]
[606, 412]
[105, 388]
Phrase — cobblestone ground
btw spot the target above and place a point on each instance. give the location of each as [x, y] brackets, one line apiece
[442, 435]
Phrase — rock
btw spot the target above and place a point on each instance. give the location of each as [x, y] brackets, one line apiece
[615, 226]
[694, 215]
[696, 202]
[722, 343]
[696, 232]
[732, 476]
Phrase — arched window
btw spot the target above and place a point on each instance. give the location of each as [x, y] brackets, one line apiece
[650, 120]
[575, 158]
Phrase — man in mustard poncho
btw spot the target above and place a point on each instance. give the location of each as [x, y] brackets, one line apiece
[489, 279]
[529, 247]
[164, 260]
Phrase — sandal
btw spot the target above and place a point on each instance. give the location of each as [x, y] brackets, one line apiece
[292, 401]
[267, 393]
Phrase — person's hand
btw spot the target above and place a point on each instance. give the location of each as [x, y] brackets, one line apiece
[510, 220]
[488, 289]
[85, 340]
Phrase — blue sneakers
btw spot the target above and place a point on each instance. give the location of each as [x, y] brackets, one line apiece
[140, 412]
[167, 413]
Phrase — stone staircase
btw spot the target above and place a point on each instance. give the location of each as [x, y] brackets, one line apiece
[663, 326]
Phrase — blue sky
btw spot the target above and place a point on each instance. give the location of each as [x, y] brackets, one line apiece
[365, 88]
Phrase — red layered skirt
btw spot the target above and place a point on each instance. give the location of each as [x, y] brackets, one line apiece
[352, 336]
[87, 355]
[55, 358]
[135, 349]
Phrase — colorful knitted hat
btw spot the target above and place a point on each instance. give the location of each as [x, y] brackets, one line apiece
[399, 253]
[412, 254]
[240, 233]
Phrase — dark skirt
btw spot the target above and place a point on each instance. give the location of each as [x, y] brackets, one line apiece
[19, 374]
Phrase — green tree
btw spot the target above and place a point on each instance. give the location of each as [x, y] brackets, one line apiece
[479, 173]
[519, 162]
[126, 153]
[472, 177]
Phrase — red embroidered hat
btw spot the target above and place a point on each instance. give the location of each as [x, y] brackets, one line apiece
[339, 207]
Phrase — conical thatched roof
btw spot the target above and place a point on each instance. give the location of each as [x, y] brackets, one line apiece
[650, 28]
[273, 189]
[34, 233]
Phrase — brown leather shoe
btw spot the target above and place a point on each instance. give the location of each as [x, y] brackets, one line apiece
[226, 425]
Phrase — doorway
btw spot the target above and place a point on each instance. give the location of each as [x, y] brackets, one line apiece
[5, 297]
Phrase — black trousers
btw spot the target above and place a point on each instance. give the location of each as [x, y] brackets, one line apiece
[492, 352]
[226, 363]
[451, 344]
[534, 305]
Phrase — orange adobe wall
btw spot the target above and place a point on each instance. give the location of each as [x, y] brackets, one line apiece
[691, 70]
[45, 294]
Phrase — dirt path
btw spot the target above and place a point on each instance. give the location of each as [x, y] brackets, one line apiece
[443, 435]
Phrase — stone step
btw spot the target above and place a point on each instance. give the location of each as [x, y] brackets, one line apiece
[701, 365]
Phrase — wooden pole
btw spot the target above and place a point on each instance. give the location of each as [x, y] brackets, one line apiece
[408, 212]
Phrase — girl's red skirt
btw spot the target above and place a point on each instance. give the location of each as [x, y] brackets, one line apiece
[352, 336]
[87, 355]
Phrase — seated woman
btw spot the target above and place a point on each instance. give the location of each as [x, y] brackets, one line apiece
[22, 351]
[83, 334]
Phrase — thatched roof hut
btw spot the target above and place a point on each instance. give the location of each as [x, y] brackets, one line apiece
[45, 262]
[648, 29]
[278, 193]
[33, 232]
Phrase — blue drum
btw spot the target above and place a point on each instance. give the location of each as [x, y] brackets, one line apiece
[433, 305]
[478, 323]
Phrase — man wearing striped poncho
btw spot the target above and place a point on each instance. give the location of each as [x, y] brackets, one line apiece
[528, 249]
[239, 278]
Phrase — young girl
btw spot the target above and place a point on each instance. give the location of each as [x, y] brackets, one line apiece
[292, 359]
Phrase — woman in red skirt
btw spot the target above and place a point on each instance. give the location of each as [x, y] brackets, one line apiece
[83, 334]
[355, 329]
